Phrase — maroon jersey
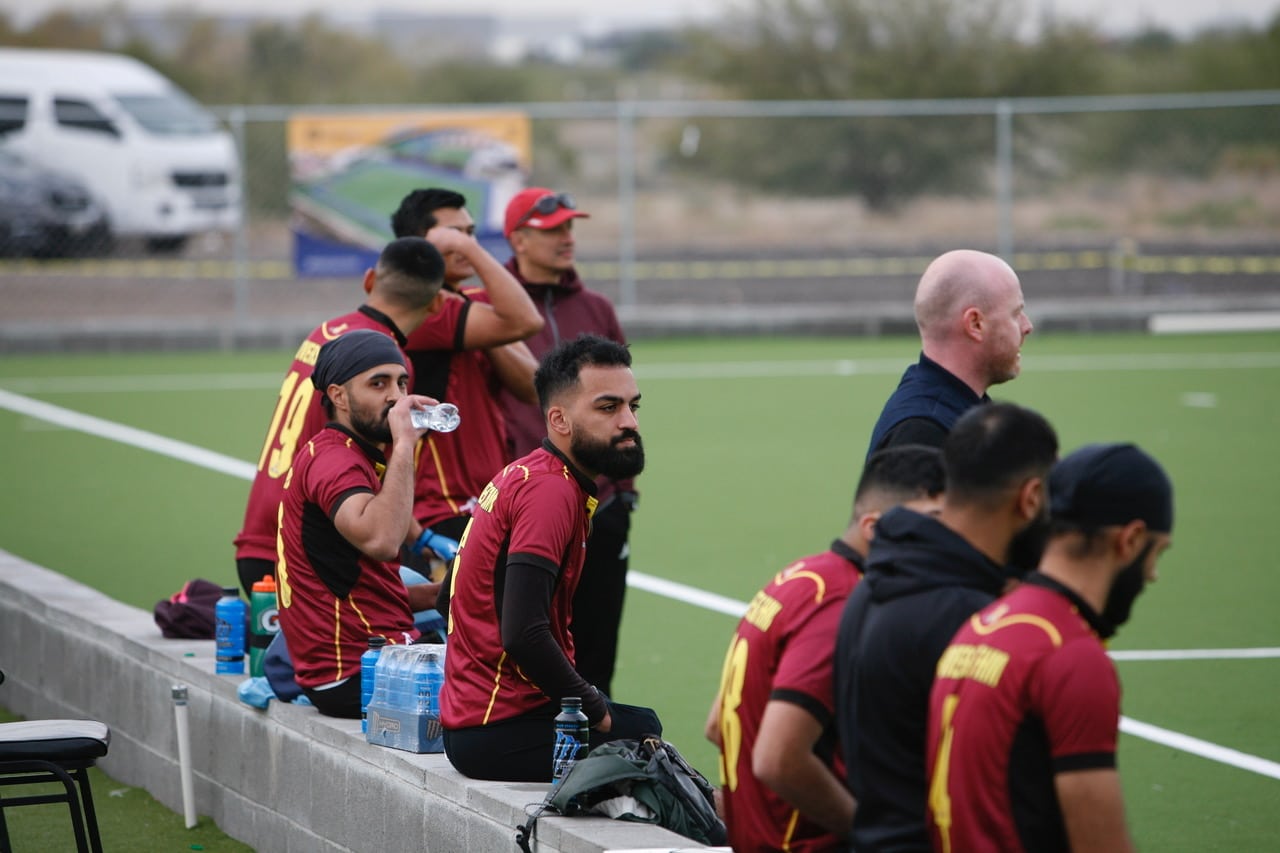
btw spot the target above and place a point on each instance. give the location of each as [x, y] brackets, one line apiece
[783, 650]
[298, 416]
[1024, 691]
[454, 467]
[333, 597]
[536, 507]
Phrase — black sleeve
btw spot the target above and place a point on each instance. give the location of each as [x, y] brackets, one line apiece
[915, 431]
[526, 634]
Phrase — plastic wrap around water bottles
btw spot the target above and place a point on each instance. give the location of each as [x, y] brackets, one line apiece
[404, 712]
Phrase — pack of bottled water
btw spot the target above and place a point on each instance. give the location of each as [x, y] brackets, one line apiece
[404, 712]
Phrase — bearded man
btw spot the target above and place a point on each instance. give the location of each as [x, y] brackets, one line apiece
[1025, 709]
[511, 654]
[346, 509]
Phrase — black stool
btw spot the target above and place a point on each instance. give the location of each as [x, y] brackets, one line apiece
[62, 751]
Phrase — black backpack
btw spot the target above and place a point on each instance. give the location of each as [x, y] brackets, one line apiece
[662, 787]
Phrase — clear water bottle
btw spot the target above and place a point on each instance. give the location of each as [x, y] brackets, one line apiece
[368, 676]
[572, 734]
[429, 678]
[229, 616]
[401, 673]
[443, 417]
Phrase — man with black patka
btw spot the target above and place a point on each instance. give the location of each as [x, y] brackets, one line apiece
[1024, 711]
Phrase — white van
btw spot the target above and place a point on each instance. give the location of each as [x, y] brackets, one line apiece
[158, 162]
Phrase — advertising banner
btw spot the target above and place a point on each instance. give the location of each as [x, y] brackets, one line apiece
[350, 172]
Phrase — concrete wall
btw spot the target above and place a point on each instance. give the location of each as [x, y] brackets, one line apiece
[283, 779]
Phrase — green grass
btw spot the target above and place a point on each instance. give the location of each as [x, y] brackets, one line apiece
[745, 473]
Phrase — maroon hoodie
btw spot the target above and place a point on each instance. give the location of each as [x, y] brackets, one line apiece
[569, 309]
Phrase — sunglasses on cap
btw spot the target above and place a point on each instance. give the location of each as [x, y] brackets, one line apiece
[548, 205]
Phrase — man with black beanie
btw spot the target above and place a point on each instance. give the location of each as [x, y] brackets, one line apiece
[1025, 707]
[347, 507]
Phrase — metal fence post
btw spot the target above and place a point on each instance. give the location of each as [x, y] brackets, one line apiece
[240, 302]
[1004, 178]
[626, 204]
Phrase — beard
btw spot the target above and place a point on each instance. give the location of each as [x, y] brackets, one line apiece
[1027, 546]
[607, 458]
[1126, 588]
[372, 428]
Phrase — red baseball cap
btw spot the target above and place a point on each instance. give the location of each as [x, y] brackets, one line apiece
[541, 208]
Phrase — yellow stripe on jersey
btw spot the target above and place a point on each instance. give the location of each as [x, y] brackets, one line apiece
[444, 482]
[984, 629]
[791, 829]
[497, 685]
[797, 571]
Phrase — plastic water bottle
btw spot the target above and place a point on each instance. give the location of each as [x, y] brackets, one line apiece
[368, 675]
[429, 677]
[229, 616]
[401, 671]
[441, 418]
[264, 622]
[572, 734]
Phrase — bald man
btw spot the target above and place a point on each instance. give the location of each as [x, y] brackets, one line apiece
[972, 321]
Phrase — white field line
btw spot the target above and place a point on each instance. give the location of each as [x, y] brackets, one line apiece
[1202, 748]
[670, 589]
[168, 383]
[141, 439]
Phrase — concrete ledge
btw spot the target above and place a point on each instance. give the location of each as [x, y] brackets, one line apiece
[283, 779]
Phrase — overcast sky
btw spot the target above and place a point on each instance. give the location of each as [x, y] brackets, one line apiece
[1114, 16]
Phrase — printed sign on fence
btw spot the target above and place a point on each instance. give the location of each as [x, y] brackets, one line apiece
[350, 172]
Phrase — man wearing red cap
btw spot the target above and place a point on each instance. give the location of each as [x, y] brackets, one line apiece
[539, 227]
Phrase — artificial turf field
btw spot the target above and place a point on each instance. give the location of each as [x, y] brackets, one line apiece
[753, 449]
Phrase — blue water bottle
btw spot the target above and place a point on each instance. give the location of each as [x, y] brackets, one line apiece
[368, 670]
[229, 616]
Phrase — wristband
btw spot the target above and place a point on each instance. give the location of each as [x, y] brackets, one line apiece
[443, 546]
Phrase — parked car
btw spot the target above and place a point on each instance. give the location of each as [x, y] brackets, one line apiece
[46, 214]
[158, 162]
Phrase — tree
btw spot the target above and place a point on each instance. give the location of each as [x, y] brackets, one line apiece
[865, 49]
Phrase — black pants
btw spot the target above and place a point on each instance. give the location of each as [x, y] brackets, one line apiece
[520, 749]
[597, 605]
[340, 701]
[251, 571]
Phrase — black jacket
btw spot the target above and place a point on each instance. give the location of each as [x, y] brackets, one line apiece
[925, 406]
[922, 581]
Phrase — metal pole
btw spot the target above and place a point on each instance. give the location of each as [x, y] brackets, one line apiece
[1004, 178]
[626, 204]
[240, 303]
[184, 753]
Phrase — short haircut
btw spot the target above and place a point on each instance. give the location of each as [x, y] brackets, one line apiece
[561, 366]
[416, 214]
[410, 271]
[899, 474]
[993, 448]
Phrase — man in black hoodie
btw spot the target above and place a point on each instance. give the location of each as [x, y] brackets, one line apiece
[925, 576]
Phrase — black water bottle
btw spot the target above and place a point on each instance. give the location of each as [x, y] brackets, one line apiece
[572, 733]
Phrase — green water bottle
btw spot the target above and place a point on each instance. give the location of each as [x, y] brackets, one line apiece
[264, 622]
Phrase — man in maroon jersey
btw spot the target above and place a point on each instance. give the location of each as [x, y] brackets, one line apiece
[511, 656]
[1025, 707]
[403, 289]
[782, 777]
[539, 226]
[346, 510]
[465, 353]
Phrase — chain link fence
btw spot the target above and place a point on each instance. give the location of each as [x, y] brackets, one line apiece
[801, 209]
